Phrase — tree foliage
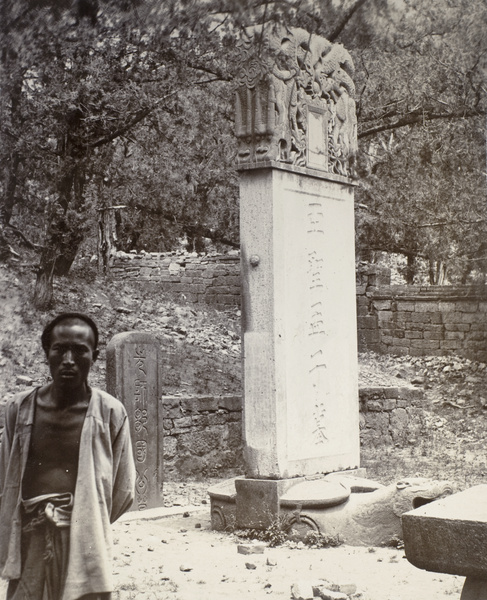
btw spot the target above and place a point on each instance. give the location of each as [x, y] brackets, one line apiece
[422, 131]
[129, 104]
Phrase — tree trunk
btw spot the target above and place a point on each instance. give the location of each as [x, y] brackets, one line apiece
[108, 225]
[61, 242]
[411, 269]
[43, 291]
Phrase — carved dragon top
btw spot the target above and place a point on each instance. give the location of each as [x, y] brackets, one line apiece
[294, 100]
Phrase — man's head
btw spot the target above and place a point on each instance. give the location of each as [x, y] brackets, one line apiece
[68, 316]
[70, 342]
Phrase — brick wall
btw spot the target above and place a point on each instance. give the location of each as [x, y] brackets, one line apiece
[392, 319]
[212, 279]
[420, 320]
[203, 435]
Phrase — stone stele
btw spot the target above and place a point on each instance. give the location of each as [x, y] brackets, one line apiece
[296, 127]
[301, 413]
[133, 361]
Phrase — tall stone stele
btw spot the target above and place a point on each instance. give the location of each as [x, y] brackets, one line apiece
[296, 130]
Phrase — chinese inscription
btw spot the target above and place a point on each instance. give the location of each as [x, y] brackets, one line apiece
[140, 428]
[316, 322]
[133, 376]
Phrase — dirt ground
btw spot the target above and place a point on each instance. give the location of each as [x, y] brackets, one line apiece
[167, 556]
[180, 558]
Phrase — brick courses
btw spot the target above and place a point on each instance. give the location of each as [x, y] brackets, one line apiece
[420, 320]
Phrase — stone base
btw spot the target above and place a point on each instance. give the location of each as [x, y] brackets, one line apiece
[340, 506]
[245, 503]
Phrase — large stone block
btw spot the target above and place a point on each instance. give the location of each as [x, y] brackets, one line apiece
[426, 307]
[450, 534]
[467, 307]
[405, 306]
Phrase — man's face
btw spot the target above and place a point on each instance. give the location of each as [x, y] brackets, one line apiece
[71, 353]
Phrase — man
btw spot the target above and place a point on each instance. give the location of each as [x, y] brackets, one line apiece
[66, 473]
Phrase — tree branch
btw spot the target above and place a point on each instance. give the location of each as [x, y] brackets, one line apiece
[333, 36]
[26, 241]
[420, 117]
[140, 116]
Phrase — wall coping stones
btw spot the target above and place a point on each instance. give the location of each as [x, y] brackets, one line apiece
[427, 293]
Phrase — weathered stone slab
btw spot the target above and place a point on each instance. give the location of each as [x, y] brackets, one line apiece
[450, 534]
[474, 589]
[299, 324]
[133, 377]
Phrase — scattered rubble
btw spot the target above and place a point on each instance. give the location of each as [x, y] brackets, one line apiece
[251, 548]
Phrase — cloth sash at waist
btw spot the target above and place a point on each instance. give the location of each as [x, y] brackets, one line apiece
[49, 516]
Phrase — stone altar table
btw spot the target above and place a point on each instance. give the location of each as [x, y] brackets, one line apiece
[450, 536]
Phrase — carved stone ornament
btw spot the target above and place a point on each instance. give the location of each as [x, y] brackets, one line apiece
[294, 100]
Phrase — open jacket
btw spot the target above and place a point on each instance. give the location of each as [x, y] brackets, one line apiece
[104, 490]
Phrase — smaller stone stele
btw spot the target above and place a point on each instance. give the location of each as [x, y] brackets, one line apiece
[294, 100]
[133, 360]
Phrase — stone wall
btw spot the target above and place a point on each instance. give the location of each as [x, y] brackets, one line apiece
[392, 319]
[203, 435]
[420, 320]
[391, 416]
[212, 279]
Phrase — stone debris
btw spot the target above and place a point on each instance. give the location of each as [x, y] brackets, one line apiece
[302, 590]
[332, 591]
[185, 568]
[251, 548]
[345, 588]
[23, 380]
[250, 566]
[326, 594]
[313, 589]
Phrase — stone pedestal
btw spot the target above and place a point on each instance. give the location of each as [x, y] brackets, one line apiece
[301, 414]
[133, 377]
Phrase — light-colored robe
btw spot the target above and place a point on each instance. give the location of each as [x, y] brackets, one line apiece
[104, 490]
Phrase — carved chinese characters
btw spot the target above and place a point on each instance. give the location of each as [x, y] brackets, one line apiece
[294, 100]
[140, 426]
[315, 308]
[133, 377]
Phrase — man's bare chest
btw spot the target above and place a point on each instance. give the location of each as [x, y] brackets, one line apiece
[52, 463]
